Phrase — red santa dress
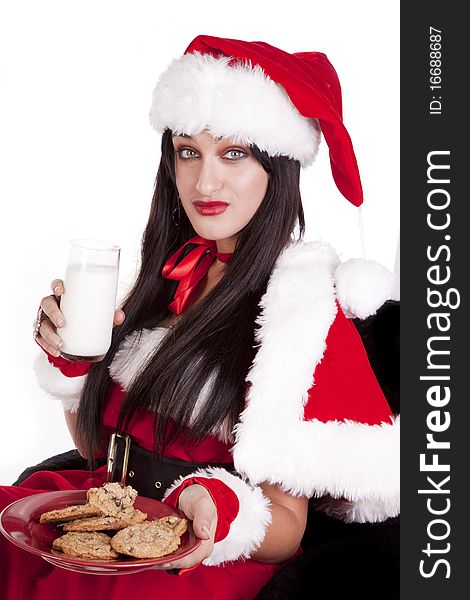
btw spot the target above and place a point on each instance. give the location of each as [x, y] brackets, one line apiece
[316, 423]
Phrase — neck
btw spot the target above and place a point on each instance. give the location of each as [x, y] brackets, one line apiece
[227, 245]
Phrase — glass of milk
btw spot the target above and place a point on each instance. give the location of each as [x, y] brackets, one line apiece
[89, 299]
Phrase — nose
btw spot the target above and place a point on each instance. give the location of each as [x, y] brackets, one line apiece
[209, 180]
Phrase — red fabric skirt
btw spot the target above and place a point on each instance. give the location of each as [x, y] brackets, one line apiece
[25, 576]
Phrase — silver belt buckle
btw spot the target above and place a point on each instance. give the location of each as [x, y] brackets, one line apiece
[112, 457]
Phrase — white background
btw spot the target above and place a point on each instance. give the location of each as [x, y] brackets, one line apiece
[78, 157]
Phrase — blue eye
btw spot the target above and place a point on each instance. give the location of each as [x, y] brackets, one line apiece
[187, 153]
[235, 154]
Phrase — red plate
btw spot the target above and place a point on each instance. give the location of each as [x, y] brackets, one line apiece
[19, 523]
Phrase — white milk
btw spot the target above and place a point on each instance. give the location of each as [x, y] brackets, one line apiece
[88, 305]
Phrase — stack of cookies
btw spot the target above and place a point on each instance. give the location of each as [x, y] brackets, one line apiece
[110, 508]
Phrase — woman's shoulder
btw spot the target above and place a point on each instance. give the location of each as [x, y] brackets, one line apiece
[305, 272]
[300, 258]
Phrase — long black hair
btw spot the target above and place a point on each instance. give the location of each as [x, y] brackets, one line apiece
[215, 339]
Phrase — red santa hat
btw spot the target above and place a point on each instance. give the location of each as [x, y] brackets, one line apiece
[259, 94]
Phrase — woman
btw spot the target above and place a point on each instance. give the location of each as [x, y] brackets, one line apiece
[231, 357]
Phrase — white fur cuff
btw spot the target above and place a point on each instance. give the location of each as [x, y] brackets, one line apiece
[66, 389]
[248, 529]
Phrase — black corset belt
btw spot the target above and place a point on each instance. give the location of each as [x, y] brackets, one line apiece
[149, 473]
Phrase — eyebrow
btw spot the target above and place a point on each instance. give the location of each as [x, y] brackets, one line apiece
[185, 135]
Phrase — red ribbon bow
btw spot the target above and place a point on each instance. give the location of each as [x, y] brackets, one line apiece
[191, 269]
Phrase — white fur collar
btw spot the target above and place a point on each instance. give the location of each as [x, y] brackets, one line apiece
[347, 460]
[133, 354]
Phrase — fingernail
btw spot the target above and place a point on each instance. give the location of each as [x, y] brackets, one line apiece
[57, 289]
[60, 323]
[166, 566]
[59, 343]
[205, 531]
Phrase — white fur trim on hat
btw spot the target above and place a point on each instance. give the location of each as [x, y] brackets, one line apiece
[66, 389]
[248, 529]
[199, 91]
[362, 286]
[351, 461]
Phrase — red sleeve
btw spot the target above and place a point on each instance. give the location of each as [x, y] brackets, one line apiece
[345, 386]
[225, 500]
[68, 368]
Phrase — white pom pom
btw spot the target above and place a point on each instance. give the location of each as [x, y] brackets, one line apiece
[362, 286]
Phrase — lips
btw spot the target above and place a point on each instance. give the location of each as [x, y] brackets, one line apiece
[210, 203]
[209, 208]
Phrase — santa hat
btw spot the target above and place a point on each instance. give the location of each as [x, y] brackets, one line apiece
[261, 95]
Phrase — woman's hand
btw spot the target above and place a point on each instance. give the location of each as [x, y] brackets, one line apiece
[198, 506]
[54, 319]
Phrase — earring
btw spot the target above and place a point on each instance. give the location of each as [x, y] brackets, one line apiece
[176, 214]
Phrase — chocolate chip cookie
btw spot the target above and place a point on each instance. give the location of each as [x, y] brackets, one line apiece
[85, 545]
[69, 513]
[150, 539]
[112, 499]
[178, 525]
[105, 523]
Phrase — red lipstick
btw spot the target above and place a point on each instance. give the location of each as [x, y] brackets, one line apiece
[211, 208]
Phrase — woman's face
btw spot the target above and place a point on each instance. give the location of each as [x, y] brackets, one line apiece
[221, 185]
